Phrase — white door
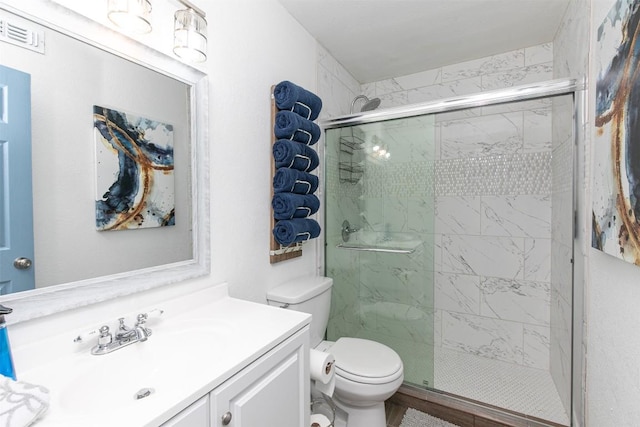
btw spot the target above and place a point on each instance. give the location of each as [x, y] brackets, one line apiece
[16, 209]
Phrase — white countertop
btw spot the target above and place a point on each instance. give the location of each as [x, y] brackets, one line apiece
[201, 340]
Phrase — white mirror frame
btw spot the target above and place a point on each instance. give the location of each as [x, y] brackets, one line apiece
[45, 301]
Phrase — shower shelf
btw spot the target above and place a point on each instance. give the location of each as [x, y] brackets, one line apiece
[349, 170]
[375, 249]
[349, 144]
[389, 242]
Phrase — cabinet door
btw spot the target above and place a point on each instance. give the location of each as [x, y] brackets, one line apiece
[196, 415]
[272, 391]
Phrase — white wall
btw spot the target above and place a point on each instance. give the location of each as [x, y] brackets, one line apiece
[613, 316]
[253, 44]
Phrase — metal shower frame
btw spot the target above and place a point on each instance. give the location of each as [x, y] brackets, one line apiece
[551, 88]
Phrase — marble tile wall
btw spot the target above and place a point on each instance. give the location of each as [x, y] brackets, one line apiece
[476, 186]
[520, 66]
[571, 59]
[342, 200]
[490, 179]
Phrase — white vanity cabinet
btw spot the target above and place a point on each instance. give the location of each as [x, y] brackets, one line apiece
[213, 361]
[271, 391]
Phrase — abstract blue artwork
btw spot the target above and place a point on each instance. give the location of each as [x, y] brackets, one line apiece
[134, 171]
[616, 195]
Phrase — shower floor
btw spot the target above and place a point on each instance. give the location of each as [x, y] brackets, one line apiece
[517, 388]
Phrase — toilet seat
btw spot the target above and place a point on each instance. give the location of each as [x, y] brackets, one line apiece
[366, 361]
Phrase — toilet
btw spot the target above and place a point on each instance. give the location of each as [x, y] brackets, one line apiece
[366, 372]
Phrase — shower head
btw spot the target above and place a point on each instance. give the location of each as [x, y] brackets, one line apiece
[369, 104]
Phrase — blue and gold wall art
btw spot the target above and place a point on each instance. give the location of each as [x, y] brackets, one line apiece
[616, 195]
[134, 169]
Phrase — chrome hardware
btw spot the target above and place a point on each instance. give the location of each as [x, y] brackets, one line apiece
[22, 263]
[108, 342]
[142, 393]
[226, 418]
[347, 230]
[104, 340]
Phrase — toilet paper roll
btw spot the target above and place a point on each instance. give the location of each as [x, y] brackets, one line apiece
[322, 371]
[327, 388]
[319, 420]
[321, 366]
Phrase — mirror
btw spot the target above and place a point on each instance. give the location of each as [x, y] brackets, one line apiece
[76, 264]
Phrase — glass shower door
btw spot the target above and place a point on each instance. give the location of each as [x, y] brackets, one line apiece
[380, 237]
[449, 237]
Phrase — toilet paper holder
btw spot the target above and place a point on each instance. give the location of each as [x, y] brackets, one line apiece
[325, 407]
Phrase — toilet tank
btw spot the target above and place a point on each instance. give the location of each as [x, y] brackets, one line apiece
[309, 294]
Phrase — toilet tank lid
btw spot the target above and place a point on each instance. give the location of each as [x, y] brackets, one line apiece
[299, 290]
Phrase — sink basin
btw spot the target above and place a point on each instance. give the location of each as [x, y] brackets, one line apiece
[119, 375]
[89, 384]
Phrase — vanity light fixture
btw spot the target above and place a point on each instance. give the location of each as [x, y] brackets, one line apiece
[190, 33]
[131, 15]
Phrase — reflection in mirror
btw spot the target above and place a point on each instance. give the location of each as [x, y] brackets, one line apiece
[68, 79]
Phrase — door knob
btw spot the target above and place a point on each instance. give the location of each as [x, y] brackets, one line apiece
[22, 263]
[226, 418]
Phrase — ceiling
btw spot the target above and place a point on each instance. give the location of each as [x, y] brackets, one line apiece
[379, 39]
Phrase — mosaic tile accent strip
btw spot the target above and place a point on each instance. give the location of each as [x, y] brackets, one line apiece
[409, 179]
[527, 173]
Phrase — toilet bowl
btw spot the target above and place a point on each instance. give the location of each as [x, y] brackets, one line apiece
[366, 372]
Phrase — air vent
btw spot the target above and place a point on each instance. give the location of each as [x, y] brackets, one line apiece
[21, 33]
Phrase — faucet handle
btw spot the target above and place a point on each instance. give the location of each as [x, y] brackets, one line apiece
[143, 317]
[105, 336]
[85, 336]
[156, 312]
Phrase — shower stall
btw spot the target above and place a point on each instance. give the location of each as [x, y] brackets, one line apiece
[449, 236]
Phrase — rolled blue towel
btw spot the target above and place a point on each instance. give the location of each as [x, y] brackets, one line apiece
[289, 125]
[287, 180]
[292, 154]
[290, 205]
[290, 231]
[292, 97]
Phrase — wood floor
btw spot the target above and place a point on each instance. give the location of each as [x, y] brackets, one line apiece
[398, 404]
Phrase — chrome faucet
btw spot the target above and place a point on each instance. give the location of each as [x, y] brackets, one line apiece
[108, 342]
[347, 230]
[138, 333]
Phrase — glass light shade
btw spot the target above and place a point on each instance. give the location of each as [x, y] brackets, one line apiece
[131, 15]
[190, 36]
